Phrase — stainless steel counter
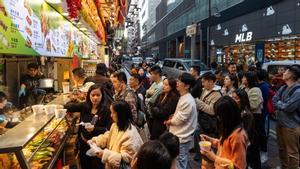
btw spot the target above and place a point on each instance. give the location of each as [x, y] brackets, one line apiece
[18, 137]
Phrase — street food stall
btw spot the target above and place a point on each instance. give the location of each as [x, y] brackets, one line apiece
[38, 141]
[58, 35]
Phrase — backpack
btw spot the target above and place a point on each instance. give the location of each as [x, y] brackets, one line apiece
[207, 122]
[269, 105]
[141, 110]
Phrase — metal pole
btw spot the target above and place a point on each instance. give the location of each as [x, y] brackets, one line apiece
[208, 34]
[201, 43]
[193, 47]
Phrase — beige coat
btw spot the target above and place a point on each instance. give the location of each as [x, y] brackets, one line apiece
[256, 100]
[118, 145]
[207, 105]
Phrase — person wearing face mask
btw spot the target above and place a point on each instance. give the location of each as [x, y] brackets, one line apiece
[95, 113]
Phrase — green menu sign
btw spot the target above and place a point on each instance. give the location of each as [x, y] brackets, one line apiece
[30, 27]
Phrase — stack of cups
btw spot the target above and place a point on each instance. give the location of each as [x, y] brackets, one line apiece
[58, 110]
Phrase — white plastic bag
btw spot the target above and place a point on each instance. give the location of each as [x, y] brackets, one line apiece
[94, 150]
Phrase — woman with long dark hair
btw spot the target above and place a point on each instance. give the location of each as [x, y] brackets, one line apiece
[95, 107]
[256, 100]
[233, 141]
[253, 155]
[122, 141]
[230, 84]
[164, 107]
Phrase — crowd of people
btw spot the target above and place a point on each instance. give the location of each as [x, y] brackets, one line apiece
[151, 122]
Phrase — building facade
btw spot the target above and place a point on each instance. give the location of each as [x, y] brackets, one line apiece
[232, 23]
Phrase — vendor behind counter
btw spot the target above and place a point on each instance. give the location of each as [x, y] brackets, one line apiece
[29, 93]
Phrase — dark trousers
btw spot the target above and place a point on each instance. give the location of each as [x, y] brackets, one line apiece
[261, 132]
[253, 156]
[265, 132]
[196, 142]
[258, 142]
[88, 162]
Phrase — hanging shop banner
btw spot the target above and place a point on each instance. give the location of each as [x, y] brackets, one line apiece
[35, 28]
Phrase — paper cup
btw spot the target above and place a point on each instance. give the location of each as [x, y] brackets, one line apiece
[60, 113]
[205, 145]
[50, 109]
[66, 87]
[38, 109]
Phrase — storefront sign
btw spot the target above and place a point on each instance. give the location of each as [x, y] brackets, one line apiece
[243, 37]
[191, 30]
[34, 28]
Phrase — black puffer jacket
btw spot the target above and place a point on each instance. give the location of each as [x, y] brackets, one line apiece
[161, 111]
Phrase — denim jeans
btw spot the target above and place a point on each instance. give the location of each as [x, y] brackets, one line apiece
[182, 159]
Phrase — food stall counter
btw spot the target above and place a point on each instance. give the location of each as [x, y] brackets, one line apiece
[34, 136]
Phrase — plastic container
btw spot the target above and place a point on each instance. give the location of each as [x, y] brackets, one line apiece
[38, 109]
[50, 109]
[60, 113]
[66, 87]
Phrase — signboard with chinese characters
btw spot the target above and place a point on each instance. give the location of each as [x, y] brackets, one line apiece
[34, 28]
[191, 30]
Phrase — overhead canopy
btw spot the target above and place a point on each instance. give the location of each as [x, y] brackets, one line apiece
[97, 18]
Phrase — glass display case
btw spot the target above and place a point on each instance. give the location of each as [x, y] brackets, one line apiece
[35, 143]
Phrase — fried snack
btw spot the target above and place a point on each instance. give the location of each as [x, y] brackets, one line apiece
[27, 6]
[28, 43]
[28, 30]
[29, 21]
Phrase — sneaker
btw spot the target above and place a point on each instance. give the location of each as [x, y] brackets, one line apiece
[263, 157]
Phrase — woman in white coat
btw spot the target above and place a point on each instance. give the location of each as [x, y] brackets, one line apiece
[122, 141]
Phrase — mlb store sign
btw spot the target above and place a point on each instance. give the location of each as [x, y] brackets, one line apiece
[243, 37]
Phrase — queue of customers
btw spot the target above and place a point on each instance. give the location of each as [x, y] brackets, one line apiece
[228, 109]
